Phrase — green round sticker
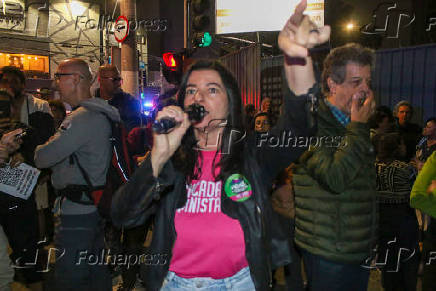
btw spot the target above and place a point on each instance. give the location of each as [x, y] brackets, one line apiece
[238, 188]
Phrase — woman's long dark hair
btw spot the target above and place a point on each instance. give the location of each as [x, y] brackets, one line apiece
[186, 156]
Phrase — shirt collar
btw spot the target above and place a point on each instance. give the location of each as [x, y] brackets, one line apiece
[343, 118]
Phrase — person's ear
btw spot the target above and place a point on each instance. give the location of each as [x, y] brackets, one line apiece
[76, 79]
[332, 85]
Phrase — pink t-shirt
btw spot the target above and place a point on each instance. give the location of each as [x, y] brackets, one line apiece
[209, 243]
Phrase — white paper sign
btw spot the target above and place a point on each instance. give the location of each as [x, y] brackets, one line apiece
[260, 15]
[19, 181]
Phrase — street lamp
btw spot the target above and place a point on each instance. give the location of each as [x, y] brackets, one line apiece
[77, 9]
[349, 26]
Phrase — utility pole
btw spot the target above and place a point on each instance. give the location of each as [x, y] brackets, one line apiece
[129, 53]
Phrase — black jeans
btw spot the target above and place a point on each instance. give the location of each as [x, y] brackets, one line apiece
[19, 220]
[398, 248]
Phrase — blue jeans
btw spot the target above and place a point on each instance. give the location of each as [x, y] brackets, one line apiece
[324, 275]
[241, 281]
[79, 244]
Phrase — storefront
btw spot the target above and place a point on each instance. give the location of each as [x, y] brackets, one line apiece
[32, 65]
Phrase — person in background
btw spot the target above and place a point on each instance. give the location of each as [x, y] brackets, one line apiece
[129, 107]
[423, 198]
[19, 217]
[59, 112]
[265, 105]
[403, 112]
[283, 202]
[427, 145]
[398, 231]
[6, 270]
[249, 112]
[382, 121]
[44, 94]
[8, 145]
[262, 122]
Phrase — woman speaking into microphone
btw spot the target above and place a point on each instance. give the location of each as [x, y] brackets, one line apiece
[207, 184]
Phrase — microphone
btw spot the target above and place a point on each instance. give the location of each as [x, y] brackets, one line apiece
[196, 113]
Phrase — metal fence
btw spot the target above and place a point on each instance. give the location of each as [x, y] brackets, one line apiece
[407, 74]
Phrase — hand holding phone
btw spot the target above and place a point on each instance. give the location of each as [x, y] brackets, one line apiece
[10, 140]
[363, 106]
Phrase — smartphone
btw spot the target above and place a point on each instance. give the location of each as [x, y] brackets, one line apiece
[21, 135]
[362, 97]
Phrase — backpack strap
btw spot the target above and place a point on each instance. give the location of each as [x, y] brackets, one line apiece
[82, 170]
[123, 166]
[93, 192]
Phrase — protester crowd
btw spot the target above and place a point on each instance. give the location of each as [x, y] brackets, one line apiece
[225, 211]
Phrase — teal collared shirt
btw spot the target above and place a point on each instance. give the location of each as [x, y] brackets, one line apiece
[338, 114]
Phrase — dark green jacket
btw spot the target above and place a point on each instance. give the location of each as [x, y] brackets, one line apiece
[335, 197]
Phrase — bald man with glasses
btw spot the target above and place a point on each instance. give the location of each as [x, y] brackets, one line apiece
[79, 155]
[110, 89]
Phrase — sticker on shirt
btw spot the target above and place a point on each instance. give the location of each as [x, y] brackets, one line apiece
[238, 188]
[65, 125]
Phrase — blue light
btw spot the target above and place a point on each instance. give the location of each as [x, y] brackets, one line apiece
[148, 104]
[142, 95]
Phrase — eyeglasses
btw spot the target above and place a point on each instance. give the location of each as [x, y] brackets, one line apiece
[116, 79]
[57, 76]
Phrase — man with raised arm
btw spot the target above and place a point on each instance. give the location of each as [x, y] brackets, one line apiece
[336, 215]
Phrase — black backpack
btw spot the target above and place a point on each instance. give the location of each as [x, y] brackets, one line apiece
[120, 169]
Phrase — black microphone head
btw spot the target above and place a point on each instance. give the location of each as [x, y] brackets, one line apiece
[196, 112]
[164, 125]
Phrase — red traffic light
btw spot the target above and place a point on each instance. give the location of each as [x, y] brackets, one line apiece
[170, 61]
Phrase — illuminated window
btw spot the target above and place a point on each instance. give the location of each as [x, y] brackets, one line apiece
[25, 62]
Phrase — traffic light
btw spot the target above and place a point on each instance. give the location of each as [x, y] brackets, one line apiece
[202, 20]
[172, 67]
[203, 39]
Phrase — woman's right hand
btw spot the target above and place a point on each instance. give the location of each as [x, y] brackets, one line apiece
[164, 145]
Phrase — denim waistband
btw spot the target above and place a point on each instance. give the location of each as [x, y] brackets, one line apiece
[204, 282]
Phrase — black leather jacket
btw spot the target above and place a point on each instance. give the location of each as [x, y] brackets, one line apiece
[266, 244]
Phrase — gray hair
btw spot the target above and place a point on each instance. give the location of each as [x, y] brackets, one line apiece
[402, 103]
